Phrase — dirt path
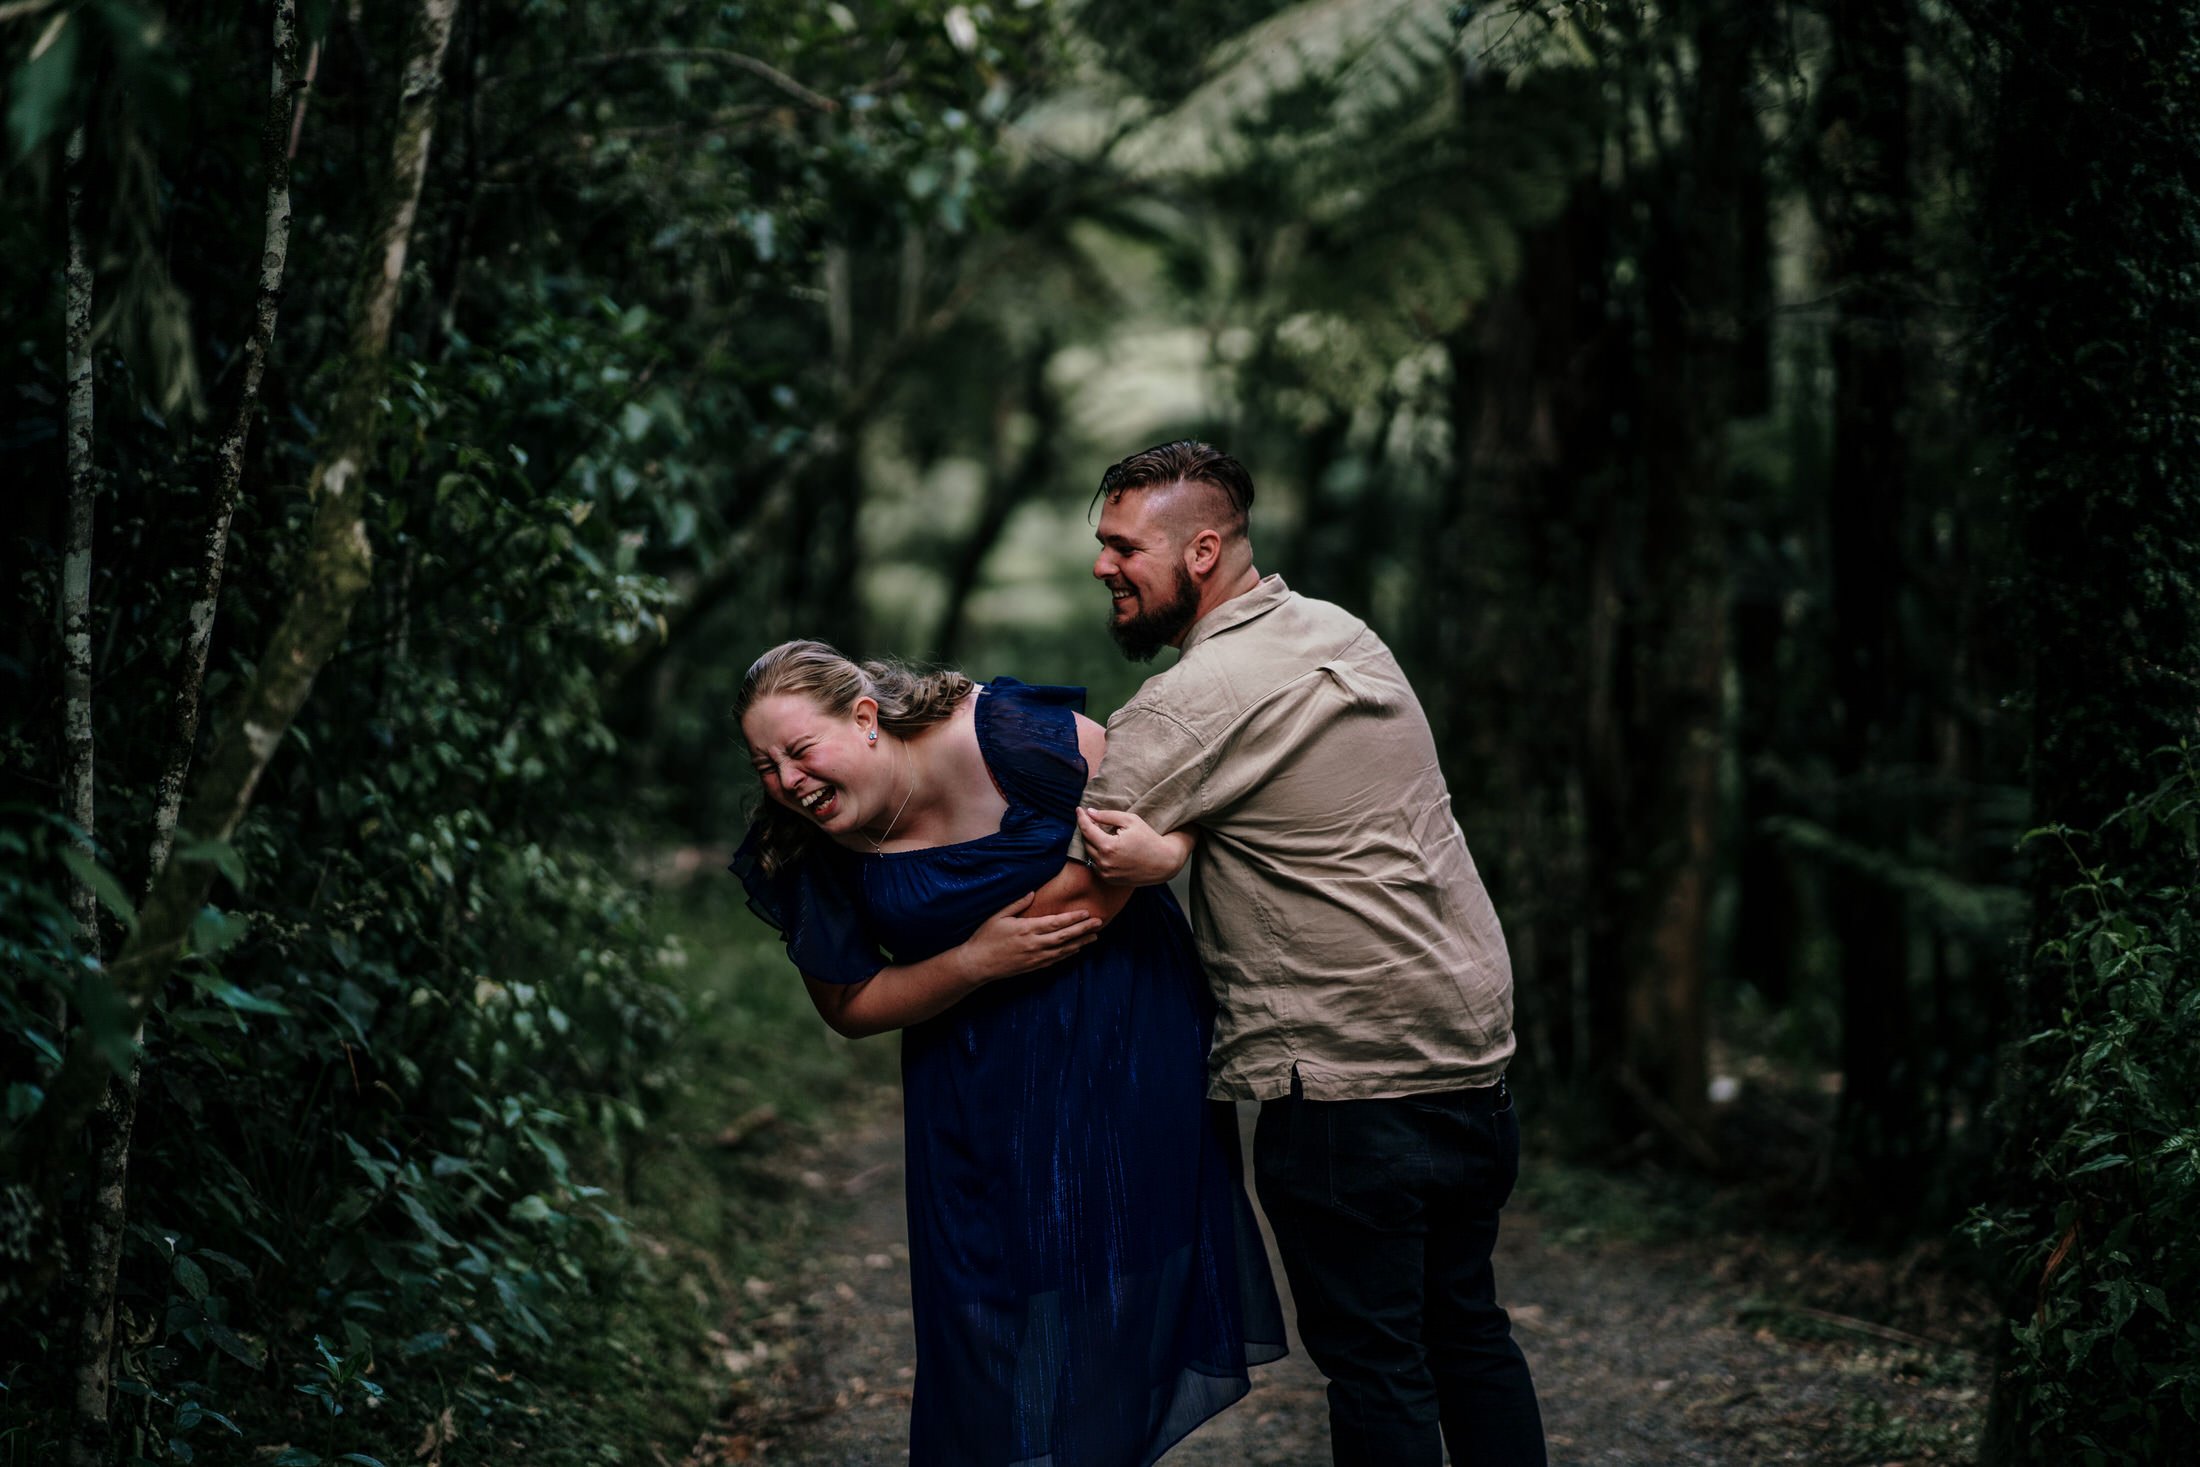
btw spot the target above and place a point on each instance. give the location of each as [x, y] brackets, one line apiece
[1641, 1355]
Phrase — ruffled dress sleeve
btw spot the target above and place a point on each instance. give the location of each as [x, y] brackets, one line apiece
[813, 906]
[1028, 735]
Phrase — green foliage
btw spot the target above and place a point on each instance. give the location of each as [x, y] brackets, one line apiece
[2108, 1360]
[1374, 176]
[40, 963]
[414, 1135]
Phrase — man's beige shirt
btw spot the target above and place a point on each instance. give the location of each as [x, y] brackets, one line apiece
[1340, 918]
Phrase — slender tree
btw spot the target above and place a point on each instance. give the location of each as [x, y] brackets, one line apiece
[335, 567]
[1864, 206]
[76, 562]
[116, 1122]
[1658, 579]
[277, 139]
[96, 1224]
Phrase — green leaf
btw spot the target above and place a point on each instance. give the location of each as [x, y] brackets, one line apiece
[235, 1266]
[229, 993]
[229, 1343]
[213, 930]
[40, 86]
[107, 1018]
[191, 1277]
[532, 1208]
[428, 1224]
[360, 1457]
[103, 884]
[23, 1099]
[295, 1457]
[219, 854]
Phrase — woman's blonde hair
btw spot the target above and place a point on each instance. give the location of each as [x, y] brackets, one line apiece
[909, 699]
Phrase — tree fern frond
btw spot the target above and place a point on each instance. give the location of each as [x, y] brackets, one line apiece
[1402, 255]
[1317, 49]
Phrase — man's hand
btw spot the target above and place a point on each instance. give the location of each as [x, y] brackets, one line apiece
[1124, 850]
[1010, 943]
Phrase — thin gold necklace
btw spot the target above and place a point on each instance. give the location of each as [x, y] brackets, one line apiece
[878, 847]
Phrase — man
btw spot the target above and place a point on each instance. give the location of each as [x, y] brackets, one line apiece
[1365, 994]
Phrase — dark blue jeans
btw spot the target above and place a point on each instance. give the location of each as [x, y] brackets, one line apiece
[1385, 1212]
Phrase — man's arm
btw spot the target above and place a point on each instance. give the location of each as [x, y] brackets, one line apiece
[1124, 850]
[1103, 887]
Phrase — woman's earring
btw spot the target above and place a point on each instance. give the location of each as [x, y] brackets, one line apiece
[871, 734]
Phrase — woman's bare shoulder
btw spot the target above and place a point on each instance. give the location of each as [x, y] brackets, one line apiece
[1092, 742]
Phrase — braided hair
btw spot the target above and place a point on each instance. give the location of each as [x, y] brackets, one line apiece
[909, 700]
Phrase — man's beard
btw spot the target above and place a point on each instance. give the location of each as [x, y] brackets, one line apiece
[1156, 627]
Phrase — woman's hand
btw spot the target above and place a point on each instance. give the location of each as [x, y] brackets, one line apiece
[1124, 850]
[1009, 943]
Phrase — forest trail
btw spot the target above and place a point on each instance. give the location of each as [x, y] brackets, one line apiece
[1643, 1354]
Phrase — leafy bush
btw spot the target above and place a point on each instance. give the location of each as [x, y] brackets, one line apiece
[2110, 1357]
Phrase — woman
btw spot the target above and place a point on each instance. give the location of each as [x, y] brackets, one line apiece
[1088, 1285]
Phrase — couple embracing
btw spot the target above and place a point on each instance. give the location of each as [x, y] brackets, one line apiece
[982, 868]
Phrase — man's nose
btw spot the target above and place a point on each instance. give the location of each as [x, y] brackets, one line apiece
[1103, 566]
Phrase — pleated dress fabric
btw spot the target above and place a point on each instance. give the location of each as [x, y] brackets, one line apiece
[1088, 1281]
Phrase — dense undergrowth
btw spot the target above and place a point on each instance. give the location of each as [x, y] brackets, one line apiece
[496, 1224]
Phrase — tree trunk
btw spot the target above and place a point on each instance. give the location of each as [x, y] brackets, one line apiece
[1675, 737]
[1766, 912]
[97, 1221]
[334, 572]
[1864, 209]
[1504, 568]
[91, 1439]
[1010, 481]
[76, 557]
[276, 127]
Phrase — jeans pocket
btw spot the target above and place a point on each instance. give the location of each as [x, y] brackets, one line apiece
[1376, 1160]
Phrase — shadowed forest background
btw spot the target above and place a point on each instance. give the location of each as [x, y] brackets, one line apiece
[1766, 430]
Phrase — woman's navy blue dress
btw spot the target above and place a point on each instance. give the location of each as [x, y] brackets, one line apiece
[1088, 1282]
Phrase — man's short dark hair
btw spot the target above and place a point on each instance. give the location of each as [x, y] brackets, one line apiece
[1187, 460]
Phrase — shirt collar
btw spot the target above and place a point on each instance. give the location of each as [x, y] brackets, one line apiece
[1265, 597]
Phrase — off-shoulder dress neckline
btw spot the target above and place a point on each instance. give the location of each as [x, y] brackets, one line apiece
[1012, 804]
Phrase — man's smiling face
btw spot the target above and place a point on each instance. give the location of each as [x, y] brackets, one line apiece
[1153, 600]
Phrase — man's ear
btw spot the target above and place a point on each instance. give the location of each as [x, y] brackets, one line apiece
[1203, 553]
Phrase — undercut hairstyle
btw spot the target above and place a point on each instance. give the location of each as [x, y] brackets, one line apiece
[1186, 461]
[909, 699]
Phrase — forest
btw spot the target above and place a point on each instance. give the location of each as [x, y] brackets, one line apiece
[1767, 431]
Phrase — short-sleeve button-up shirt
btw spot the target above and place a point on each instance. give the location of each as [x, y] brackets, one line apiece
[1341, 920]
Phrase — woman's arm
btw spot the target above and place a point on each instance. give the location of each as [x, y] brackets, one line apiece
[1104, 885]
[1013, 940]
